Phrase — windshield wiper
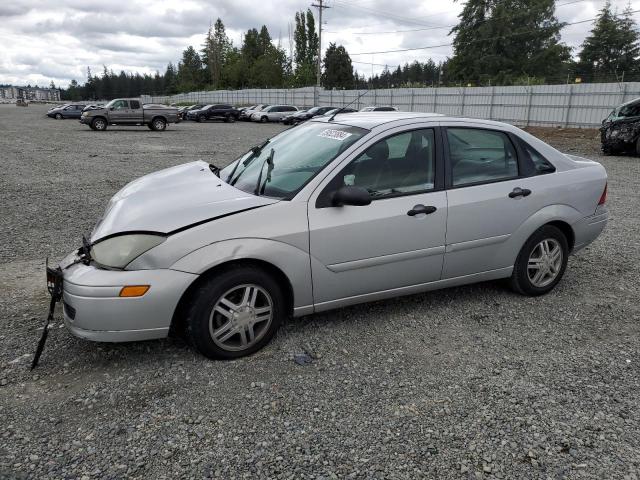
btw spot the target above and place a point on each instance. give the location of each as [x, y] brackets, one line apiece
[268, 160]
[255, 151]
[214, 169]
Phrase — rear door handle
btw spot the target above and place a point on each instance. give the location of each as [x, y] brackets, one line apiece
[519, 192]
[418, 209]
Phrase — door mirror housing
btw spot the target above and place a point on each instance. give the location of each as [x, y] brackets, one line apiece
[351, 195]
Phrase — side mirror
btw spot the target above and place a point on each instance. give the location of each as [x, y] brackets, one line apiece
[351, 195]
[112, 108]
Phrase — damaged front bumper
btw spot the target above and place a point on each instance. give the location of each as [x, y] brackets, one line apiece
[94, 310]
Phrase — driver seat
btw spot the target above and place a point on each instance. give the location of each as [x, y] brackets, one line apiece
[372, 172]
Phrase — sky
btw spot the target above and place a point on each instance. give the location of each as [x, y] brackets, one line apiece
[56, 40]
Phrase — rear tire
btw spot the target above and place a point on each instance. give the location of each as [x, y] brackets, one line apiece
[235, 313]
[541, 262]
[99, 124]
[158, 124]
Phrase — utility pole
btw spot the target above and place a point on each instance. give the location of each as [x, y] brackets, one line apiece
[320, 7]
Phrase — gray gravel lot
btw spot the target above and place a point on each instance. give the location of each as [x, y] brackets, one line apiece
[471, 382]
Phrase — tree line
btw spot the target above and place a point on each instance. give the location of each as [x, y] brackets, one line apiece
[496, 42]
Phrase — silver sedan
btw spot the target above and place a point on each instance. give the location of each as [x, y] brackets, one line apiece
[338, 211]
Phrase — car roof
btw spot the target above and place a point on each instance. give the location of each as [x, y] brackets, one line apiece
[371, 120]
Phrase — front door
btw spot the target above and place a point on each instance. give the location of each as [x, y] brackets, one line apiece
[398, 240]
[119, 112]
[489, 196]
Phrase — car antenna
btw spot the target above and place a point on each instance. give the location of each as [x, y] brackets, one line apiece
[350, 103]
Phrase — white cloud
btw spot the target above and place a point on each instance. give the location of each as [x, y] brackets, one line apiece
[44, 40]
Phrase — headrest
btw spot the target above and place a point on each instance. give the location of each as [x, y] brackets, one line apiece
[379, 151]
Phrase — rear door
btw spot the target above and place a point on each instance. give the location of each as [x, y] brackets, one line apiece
[490, 194]
[136, 113]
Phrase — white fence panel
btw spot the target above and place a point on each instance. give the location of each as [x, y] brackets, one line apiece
[572, 105]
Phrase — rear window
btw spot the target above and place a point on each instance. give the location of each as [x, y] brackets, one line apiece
[134, 104]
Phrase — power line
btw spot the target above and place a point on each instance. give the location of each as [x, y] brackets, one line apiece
[440, 27]
[341, 4]
[474, 41]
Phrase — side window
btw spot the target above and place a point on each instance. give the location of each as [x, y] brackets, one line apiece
[120, 104]
[630, 111]
[541, 164]
[135, 104]
[478, 156]
[400, 164]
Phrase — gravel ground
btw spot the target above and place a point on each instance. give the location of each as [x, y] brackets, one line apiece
[471, 382]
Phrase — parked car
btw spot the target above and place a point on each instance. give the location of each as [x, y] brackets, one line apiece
[211, 112]
[186, 111]
[304, 115]
[379, 109]
[274, 113]
[72, 110]
[326, 215]
[620, 131]
[130, 111]
[342, 110]
[246, 113]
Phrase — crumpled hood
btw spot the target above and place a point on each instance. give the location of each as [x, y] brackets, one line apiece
[172, 199]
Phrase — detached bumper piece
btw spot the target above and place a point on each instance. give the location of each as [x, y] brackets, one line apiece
[54, 285]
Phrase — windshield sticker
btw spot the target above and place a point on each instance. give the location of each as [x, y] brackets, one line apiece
[334, 134]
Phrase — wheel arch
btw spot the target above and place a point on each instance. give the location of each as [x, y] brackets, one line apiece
[159, 116]
[567, 230]
[177, 321]
[101, 117]
[559, 216]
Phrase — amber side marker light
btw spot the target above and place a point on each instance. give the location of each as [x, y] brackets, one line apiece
[134, 290]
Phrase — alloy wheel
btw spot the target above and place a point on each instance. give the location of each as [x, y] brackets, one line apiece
[241, 317]
[545, 262]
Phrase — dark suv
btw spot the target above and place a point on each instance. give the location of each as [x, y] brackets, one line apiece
[620, 131]
[210, 112]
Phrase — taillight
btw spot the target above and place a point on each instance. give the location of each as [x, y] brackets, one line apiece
[603, 197]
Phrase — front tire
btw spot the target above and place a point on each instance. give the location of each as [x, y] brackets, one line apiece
[201, 118]
[541, 262]
[58, 116]
[235, 313]
[637, 149]
[99, 124]
[264, 119]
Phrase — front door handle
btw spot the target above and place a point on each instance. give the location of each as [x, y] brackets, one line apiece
[519, 192]
[418, 209]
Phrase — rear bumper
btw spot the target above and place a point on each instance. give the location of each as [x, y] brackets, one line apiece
[93, 309]
[589, 228]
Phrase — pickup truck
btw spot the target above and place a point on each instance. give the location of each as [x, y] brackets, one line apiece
[130, 111]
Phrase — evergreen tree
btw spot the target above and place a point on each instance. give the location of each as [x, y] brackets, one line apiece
[215, 52]
[612, 46]
[338, 71]
[189, 70]
[502, 40]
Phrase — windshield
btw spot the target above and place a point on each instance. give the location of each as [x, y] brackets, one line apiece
[295, 157]
[110, 104]
[313, 110]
